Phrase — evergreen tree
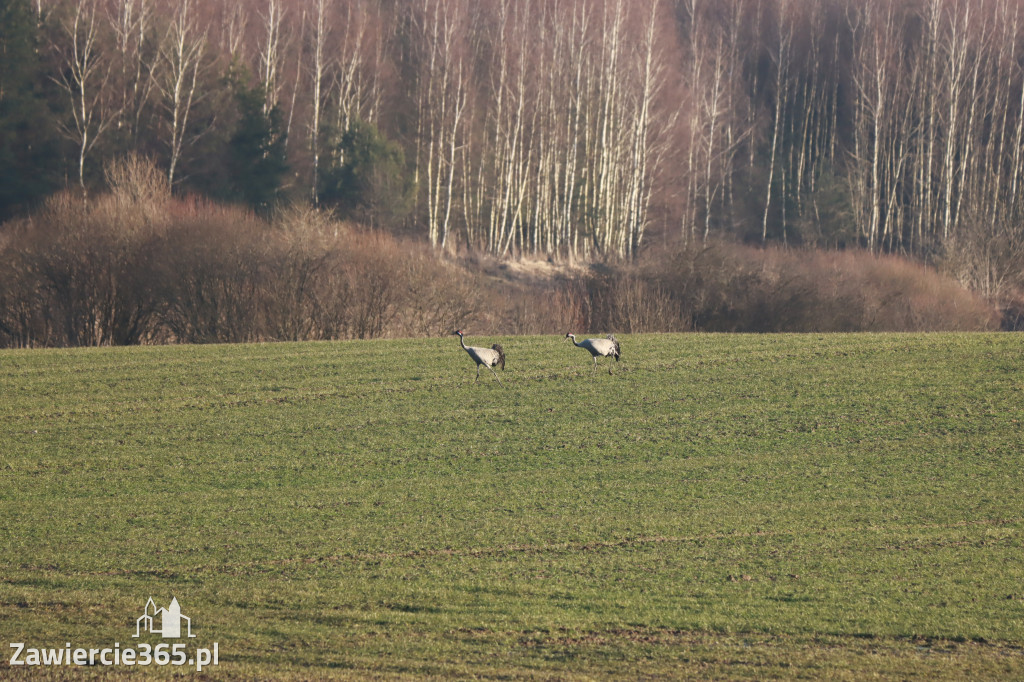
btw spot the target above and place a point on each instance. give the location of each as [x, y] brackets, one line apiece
[29, 146]
[367, 179]
[257, 149]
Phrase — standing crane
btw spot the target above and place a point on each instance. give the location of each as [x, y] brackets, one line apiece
[599, 347]
[488, 357]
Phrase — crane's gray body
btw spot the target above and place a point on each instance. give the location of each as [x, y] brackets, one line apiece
[599, 347]
[488, 357]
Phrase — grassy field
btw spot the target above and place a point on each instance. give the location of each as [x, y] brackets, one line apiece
[720, 506]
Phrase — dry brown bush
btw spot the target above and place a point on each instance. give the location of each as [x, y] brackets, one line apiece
[731, 287]
[209, 277]
[138, 189]
[141, 267]
[987, 256]
[73, 278]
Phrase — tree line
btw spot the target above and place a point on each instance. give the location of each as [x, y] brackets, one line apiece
[572, 128]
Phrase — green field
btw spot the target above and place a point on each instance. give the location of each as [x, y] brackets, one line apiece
[719, 506]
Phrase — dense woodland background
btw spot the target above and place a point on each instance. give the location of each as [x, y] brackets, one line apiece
[209, 171]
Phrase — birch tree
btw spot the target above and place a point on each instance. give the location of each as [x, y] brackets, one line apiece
[271, 53]
[348, 78]
[132, 22]
[318, 69]
[781, 61]
[646, 151]
[713, 135]
[442, 97]
[84, 76]
[510, 146]
[182, 56]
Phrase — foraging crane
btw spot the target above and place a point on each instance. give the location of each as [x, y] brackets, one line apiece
[599, 347]
[489, 357]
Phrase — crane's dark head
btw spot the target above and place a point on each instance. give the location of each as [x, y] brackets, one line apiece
[570, 335]
[457, 331]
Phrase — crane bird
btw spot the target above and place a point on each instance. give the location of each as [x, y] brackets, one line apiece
[488, 357]
[599, 347]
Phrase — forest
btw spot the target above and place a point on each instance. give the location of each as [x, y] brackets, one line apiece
[579, 131]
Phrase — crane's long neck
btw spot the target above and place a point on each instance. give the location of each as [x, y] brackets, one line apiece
[463, 342]
[573, 339]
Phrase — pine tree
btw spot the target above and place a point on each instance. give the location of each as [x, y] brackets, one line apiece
[367, 179]
[256, 150]
[29, 147]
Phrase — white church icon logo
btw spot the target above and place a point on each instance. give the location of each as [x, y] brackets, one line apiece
[170, 620]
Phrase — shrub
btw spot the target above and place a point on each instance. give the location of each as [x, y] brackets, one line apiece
[728, 287]
[138, 266]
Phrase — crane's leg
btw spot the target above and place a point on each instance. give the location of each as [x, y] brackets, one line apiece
[495, 375]
[595, 365]
[477, 373]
